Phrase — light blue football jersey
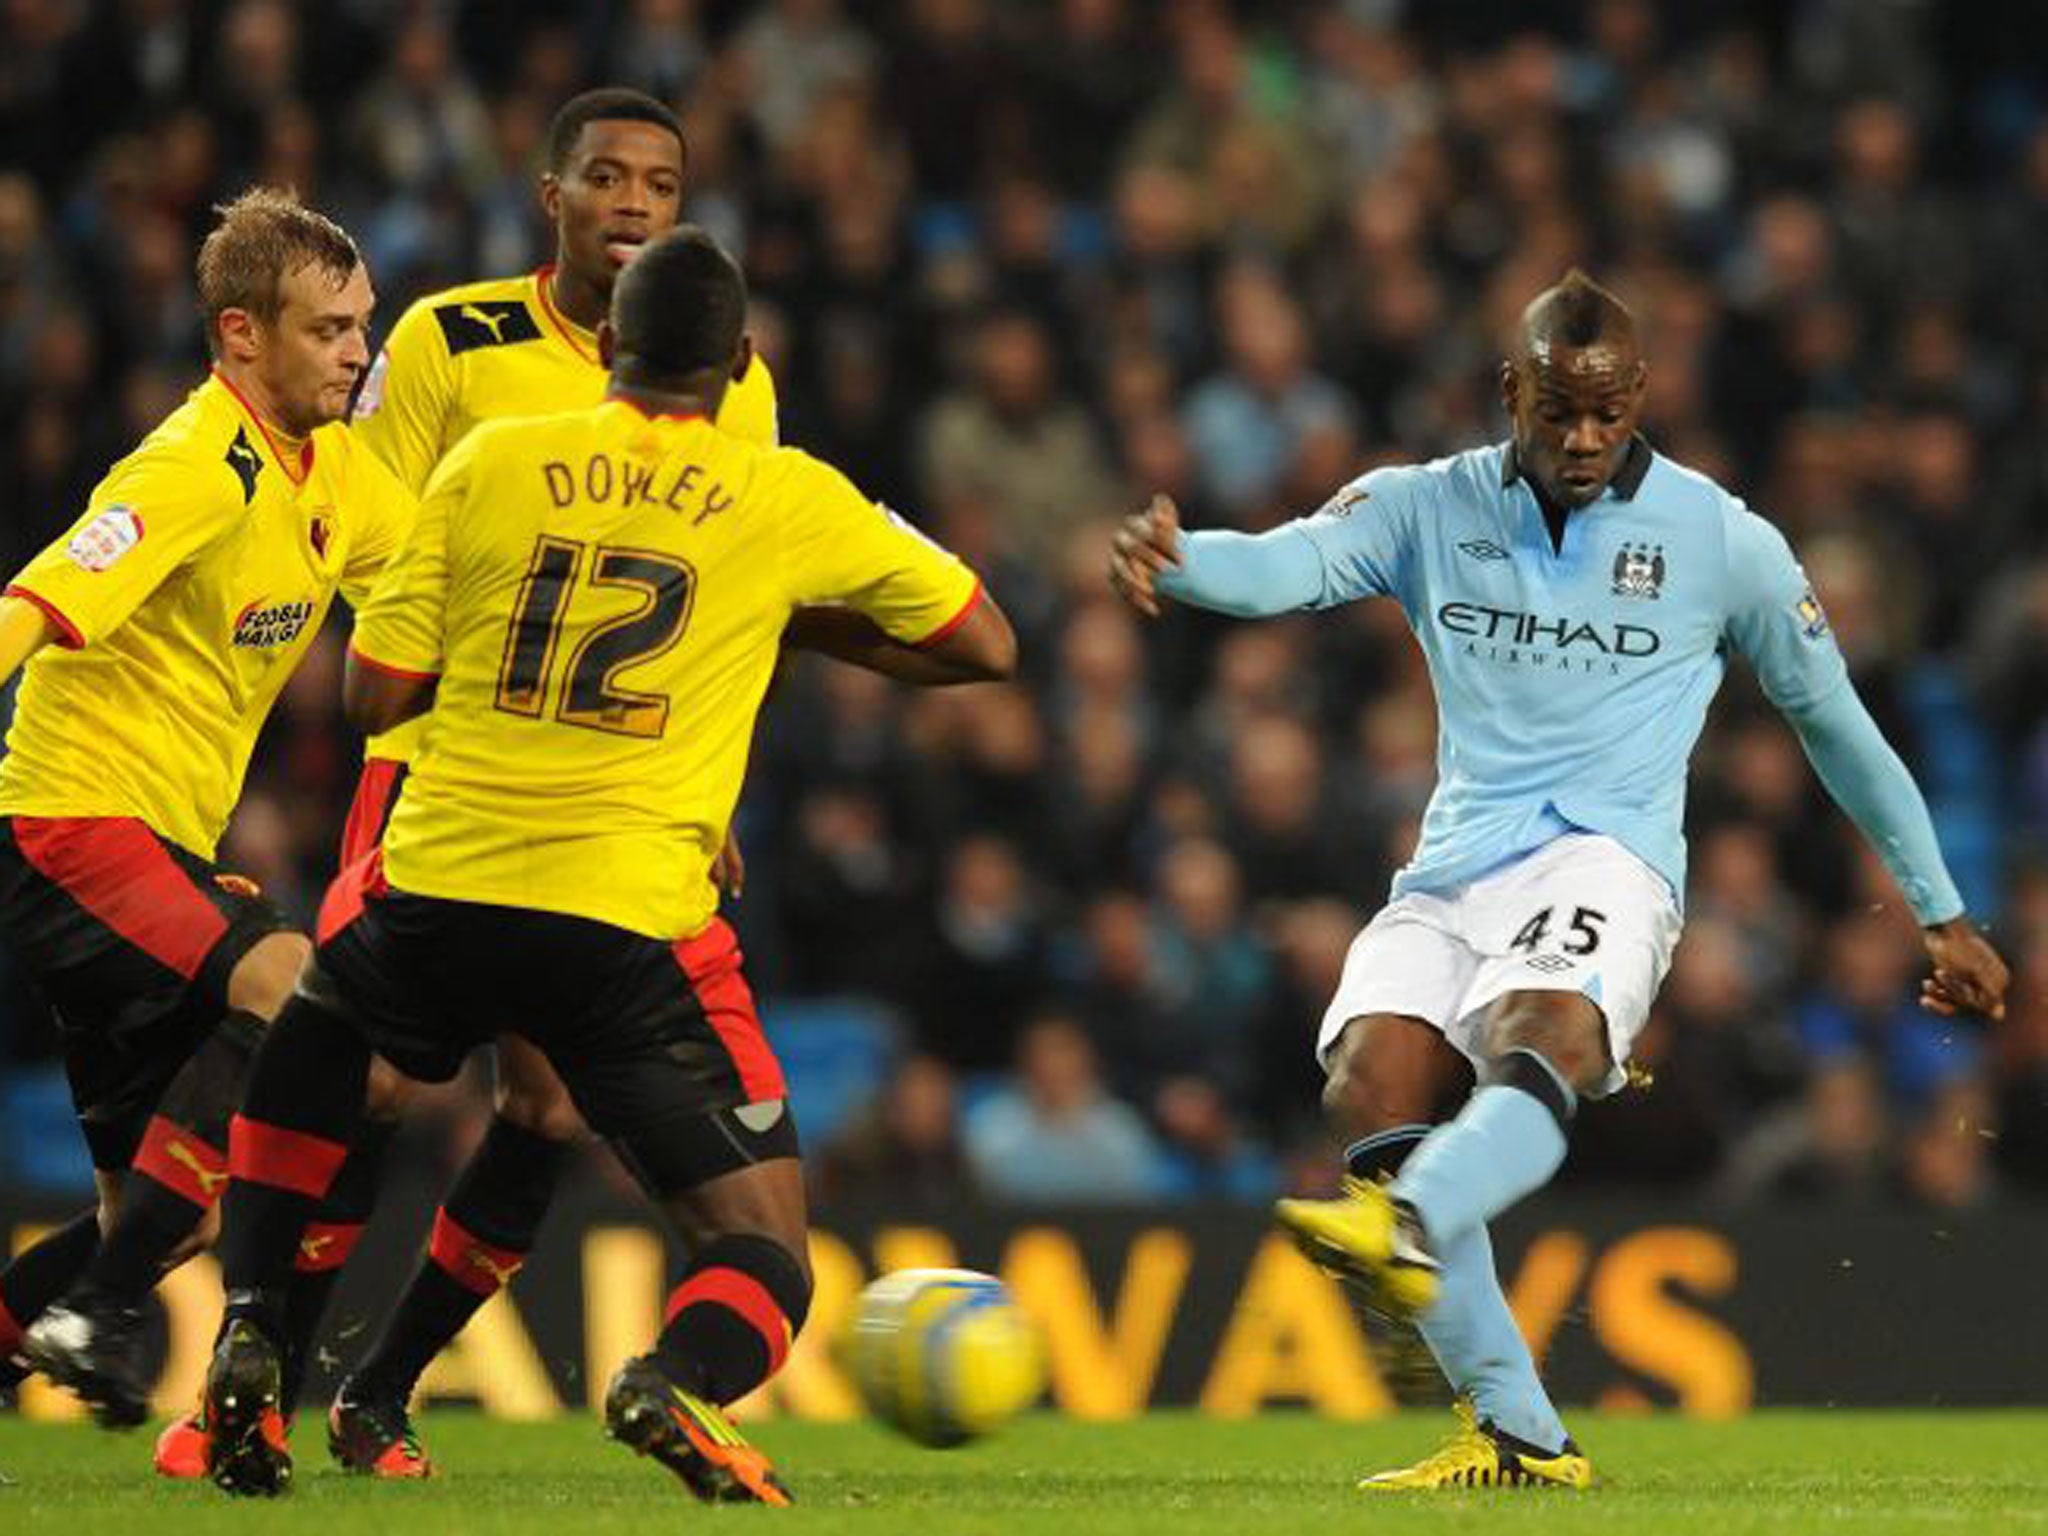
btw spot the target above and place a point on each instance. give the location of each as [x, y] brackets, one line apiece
[1571, 683]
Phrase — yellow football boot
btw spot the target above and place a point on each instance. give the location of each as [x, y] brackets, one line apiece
[1365, 1240]
[1480, 1456]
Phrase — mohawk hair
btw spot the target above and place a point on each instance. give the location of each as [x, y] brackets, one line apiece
[1575, 313]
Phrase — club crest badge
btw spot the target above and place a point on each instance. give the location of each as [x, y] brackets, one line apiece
[1639, 571]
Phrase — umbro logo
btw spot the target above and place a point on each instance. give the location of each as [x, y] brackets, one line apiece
[1483, 549]
[1551, 963]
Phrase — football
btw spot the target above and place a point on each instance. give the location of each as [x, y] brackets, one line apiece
[944, 1355]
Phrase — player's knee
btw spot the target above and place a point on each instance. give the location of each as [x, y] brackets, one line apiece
[1568, 1033]
[544, 1109]
[1365, 1091]
[262, 981]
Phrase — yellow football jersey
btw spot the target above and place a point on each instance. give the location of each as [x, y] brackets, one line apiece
[184, 596]
[602, 596]
[484, 351]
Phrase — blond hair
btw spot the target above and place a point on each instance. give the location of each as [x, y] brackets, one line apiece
[263, 236]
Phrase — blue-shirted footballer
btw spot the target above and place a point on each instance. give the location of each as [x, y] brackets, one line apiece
[1577, 596]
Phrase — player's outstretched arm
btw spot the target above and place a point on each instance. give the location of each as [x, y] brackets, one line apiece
[982, 648]
[1872, 786]
[1777, 622]
[24, 630]
[1246, 575]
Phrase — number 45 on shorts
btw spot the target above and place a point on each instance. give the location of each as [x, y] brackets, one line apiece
[1579, 937]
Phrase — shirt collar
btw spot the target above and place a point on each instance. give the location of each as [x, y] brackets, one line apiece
[1628, 478]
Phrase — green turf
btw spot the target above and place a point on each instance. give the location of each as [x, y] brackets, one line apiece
[1287, 1474]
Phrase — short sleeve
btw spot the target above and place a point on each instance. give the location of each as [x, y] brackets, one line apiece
[153, 513]
[840, 547]
[402, 412]
[384, 511]
[402, 629]
[1775, 620]
[1365, 535]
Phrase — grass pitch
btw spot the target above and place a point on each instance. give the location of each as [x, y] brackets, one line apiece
[1832, 1472]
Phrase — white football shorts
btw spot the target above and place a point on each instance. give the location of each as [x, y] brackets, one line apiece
[1580, 914]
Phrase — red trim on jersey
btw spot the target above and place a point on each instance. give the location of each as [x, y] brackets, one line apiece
[67, 632]
[370, 811]
[712, 962]
[543, 279]
[117, 870]
[357, 883]
[325, 1246]
[405, 674]
[281, 1158]
[305, 468]
[740, 1293]
[938, 635]
[188, 1167]
[474, 1265]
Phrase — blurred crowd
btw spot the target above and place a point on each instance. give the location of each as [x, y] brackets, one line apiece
[1018, 264]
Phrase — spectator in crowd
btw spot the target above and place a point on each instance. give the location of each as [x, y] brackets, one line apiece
[1056, 1135]
[908, 1142]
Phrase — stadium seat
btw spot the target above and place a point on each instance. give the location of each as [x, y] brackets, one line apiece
[837, 1054]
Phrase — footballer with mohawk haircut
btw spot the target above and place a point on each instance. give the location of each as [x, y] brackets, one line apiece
[1576, 595]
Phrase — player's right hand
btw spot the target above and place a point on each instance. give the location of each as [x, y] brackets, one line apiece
[1146, 543]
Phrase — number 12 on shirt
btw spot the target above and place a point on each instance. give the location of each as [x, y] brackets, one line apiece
[590, 697]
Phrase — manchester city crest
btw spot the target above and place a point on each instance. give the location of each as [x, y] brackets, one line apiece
[1639, 571]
